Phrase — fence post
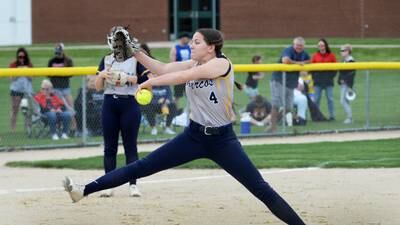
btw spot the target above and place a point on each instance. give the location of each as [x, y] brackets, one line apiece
[284, 101]
[367, 95]
[84, 107]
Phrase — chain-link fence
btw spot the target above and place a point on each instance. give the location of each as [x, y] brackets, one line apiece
[376, 106]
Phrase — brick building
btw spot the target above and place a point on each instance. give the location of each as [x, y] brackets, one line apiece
[89, 20]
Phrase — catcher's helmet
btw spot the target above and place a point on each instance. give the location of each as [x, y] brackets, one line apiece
[113, 33]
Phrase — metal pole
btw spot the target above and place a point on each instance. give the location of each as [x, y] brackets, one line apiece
[367, 95]
[84, 106]
[175, 19]
[284, 100]
[214, 14]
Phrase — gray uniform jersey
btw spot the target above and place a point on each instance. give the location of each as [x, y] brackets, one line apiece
[211, 100]
[129, 67]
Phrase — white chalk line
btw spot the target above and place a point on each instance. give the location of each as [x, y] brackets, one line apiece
[358, 161]
[175, 180]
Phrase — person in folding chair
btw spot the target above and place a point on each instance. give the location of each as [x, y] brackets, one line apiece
[209, 82]
[119, 75]
[54, 110]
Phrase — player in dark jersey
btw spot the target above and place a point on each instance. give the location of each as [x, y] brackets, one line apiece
[209, 82]
[120, 113]
[178, 53]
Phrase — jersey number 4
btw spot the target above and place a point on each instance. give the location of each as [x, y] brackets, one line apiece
[213, 98]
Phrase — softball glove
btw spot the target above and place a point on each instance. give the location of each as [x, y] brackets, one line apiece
[118, 78]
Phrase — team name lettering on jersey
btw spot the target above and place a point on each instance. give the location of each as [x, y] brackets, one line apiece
[200, 84]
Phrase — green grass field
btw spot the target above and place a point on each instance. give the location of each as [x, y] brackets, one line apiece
[356, 154]
[384, 104]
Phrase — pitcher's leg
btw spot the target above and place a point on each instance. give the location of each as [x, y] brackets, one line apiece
[178, 151]
[234, 160]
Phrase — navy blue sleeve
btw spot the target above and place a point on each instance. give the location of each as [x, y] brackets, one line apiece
[140, 69]
[101, 65]
[287, 53]
[141, 72]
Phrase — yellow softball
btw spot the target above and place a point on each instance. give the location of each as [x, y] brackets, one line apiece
[144, 96]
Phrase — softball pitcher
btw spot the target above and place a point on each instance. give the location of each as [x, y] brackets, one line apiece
[209, 86]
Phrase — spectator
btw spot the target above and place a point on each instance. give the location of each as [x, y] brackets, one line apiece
[323, 80]
[162, 103]
[19, 85]
[346, 82]
[294, 54]
[54, 109]
[94, 103]
[300, 101]
[259, 109]
[252, 79]
[180, 52]
[61, 85]
[308, 85]
[308, 91]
